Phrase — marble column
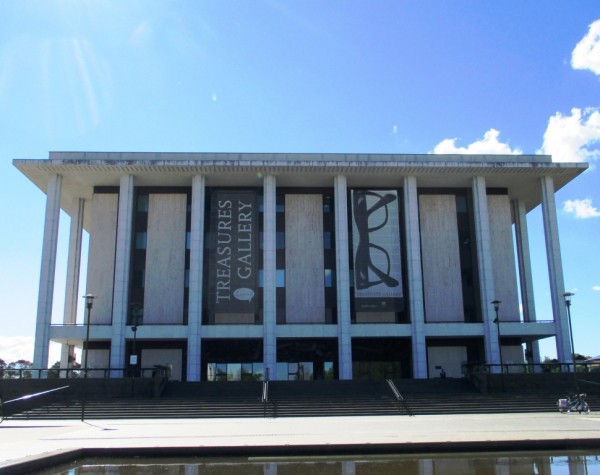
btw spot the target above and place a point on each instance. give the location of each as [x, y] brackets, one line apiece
[525, 272]
[47, 273]
[270, 276]
[270, 468]
[414, 273]
[72, 284]
[555, 271]
[122, 273]
[348, 467]
[194, 351]
[344, 325]
[486, 270]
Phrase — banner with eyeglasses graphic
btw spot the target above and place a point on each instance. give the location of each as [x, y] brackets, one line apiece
[376, 251]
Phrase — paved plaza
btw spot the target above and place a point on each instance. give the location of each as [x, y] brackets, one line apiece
[30, 440]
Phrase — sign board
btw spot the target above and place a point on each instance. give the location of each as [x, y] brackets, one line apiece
[233, 270]
[376, 251]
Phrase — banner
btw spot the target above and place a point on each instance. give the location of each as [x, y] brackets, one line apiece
[376, 251]
[233, 269]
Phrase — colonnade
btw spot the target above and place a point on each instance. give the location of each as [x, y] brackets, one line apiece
[413, 261]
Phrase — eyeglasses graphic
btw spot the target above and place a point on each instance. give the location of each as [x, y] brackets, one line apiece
[366, 250]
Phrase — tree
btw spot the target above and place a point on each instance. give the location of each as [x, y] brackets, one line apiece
[19, 369]
[55, 370]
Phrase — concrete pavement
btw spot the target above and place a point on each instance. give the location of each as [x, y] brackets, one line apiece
[27, 441]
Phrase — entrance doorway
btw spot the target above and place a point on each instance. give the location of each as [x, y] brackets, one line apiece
[306, 359]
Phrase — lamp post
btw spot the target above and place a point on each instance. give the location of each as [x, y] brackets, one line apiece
[136, 312]
[89, 303]
[567, 296]
[496, 303]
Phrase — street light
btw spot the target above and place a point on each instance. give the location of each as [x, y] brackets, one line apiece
[496, 303]
[136, 313]
[567, 296]
[89, 303]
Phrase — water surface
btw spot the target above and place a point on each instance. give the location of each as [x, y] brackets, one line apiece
[525, 463]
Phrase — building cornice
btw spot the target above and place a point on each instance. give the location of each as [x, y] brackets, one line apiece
[81, 171]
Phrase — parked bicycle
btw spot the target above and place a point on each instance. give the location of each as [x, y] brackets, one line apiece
[574, 402]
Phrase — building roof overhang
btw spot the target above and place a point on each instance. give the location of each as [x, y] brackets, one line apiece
[82, 171]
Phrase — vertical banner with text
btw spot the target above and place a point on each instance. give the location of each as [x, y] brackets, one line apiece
[233, 270]
[376, 250]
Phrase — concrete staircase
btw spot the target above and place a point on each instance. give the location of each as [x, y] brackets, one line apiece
[331, 398]
[303, 399]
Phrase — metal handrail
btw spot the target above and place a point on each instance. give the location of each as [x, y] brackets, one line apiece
[528, 368]
[399, 397]
[265, 397]
[107, 324]
[83, 325]
[67, 373]
[481, 321]
[25, 398]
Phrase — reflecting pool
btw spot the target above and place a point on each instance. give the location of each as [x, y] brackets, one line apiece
[534, 463]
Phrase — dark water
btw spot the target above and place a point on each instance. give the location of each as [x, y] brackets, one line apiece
[543, 463]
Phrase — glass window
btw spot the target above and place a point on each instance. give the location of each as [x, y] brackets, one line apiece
[142, 203]
[292, 371]
[461, 204]
[234, 372]
[305, 371]
[280, 240]
[247, 372]
[211, 371]
[280, 203]
[188, 240]
[282, 371]
[280, 278]
[221, 372]
[328, 370]
[258, 371]
[329, 278]
[138, 278]
[140, 240]
[327, 240]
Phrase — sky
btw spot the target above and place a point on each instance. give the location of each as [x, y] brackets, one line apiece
[341, 76]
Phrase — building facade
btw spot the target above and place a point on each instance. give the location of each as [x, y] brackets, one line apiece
[300, 266]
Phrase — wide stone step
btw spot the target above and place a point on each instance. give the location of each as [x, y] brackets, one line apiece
[307, 399]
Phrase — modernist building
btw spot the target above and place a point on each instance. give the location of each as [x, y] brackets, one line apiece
[301, 266]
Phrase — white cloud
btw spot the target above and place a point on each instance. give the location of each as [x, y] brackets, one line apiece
[574, 138]
[489, 144]
[582, 209]
[596, 288]
[586, 54]
[14, 348]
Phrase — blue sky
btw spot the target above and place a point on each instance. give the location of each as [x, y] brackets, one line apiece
[299, 76]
